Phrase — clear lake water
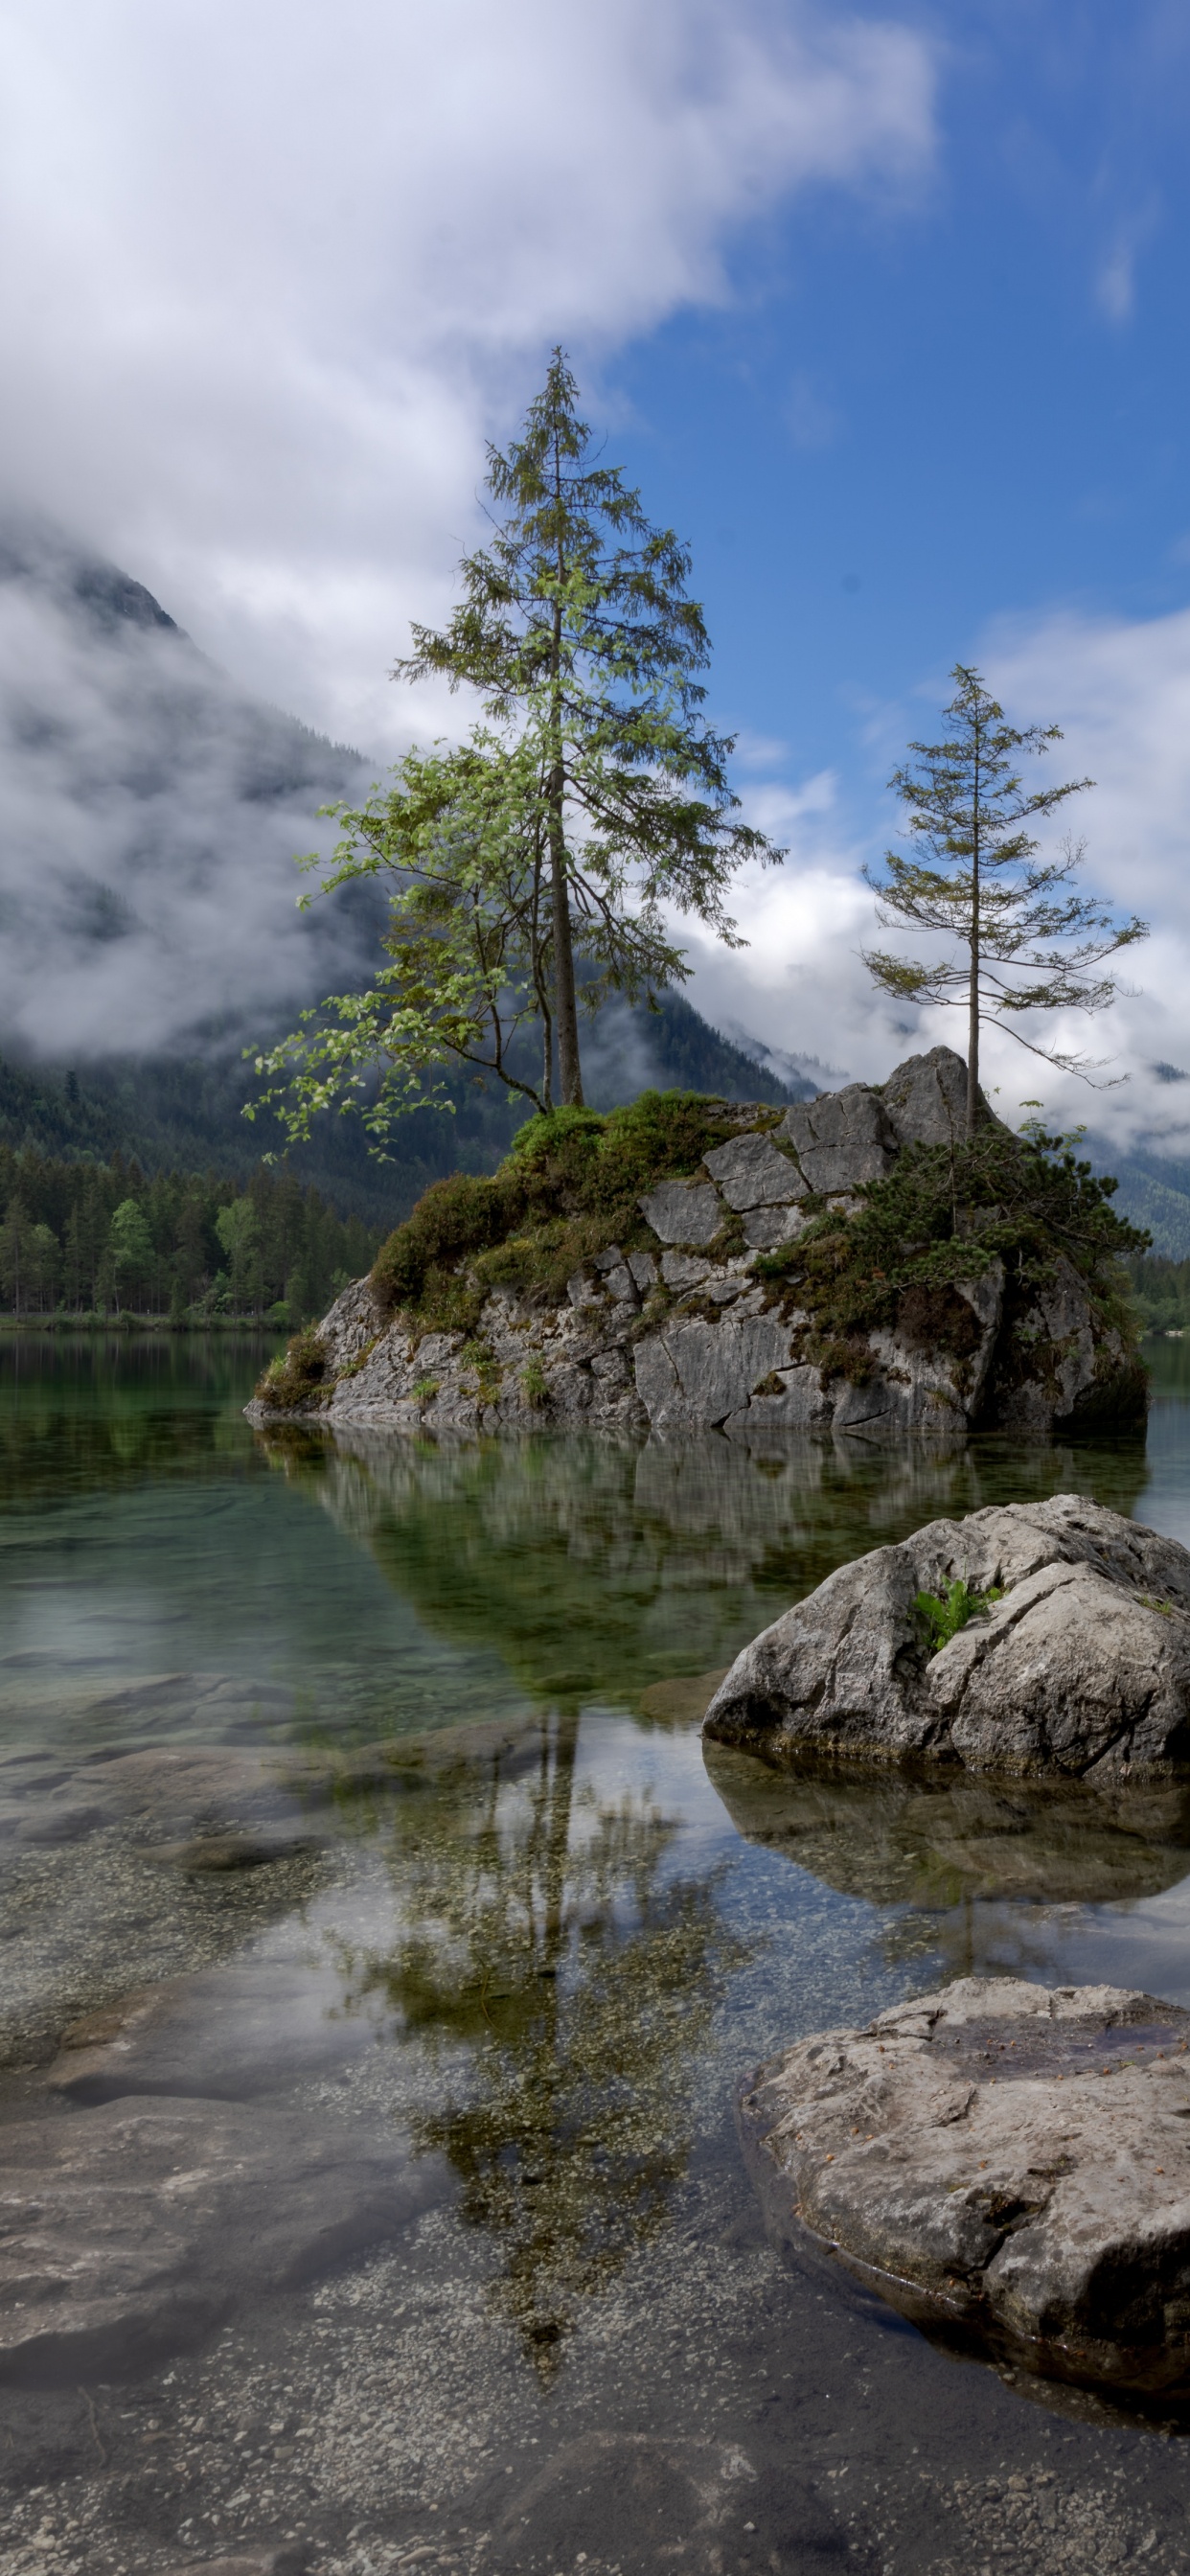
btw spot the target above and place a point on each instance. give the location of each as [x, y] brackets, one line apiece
[364, 1768]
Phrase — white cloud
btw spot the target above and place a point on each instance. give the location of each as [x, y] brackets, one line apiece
[274, 269]
[1115, 284]
[801, 985]
[149, 819]
[1120, 689]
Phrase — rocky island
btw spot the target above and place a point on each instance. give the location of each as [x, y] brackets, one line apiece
[850, 1264]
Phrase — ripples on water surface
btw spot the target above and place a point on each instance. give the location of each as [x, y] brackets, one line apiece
[351, 1835]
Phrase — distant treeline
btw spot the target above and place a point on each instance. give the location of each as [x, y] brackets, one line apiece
[1162, 1291]
[97, 1239]
[185, 1114]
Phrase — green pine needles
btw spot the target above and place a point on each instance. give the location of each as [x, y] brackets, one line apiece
[537, 868]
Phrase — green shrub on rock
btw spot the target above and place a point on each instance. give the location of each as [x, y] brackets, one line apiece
[568, 1188]
[941, 1217]
[298, 1377]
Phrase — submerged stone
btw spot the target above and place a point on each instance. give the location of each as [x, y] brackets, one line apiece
[1003, 2161]
[132, 2230]
[935, 1836]
[250, 2028]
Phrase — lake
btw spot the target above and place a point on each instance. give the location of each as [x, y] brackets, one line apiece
[378, 1959]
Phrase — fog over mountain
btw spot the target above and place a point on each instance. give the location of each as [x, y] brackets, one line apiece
[150, 813]
[150, 816]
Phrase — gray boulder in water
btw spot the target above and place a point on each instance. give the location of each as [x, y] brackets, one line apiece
[1003, 2161]
[1080, 1668]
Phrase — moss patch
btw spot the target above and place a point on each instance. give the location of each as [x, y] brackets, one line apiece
[298, 1378]
[567, 1190]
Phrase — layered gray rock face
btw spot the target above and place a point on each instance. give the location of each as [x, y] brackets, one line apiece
[1001, 2160]
[683, 1336]
[1082, 1668]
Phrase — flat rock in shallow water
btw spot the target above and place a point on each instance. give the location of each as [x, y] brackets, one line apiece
[1081, 1668]
[1001, 2160]
[235, 2032]
[130, 2231]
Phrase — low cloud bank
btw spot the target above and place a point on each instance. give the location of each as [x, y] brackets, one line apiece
[150, 815]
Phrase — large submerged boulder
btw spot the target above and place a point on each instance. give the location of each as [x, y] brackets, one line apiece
[130, 2231]
[759, 1286]
[1001, 2161]
[934, 1836]
[1075, 1660]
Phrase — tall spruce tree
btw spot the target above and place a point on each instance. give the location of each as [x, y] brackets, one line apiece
[1031, 942]
[577, 632]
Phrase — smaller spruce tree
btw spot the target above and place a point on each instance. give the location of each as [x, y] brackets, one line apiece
[1032, 942]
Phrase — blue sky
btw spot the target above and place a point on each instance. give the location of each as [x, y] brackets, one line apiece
[883, 307]
[925, 412]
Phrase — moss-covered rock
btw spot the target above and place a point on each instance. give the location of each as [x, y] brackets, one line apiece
[852, 1263]
[297, 1379]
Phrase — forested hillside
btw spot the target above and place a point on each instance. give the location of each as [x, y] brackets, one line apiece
[177, 1114]
[96, 1239]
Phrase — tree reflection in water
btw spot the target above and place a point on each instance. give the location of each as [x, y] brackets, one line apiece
[540, 1927]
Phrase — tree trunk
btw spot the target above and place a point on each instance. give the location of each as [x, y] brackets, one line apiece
[570, 1079]
[973, 998]
[547, 1062]
[973, 1043]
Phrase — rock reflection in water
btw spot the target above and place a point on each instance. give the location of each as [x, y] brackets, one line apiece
[933, 1841]
[541, 1929]
[594, 1567]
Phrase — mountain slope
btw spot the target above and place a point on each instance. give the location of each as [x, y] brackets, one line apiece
[186, 1114]
[150, 812]
[149, 816]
